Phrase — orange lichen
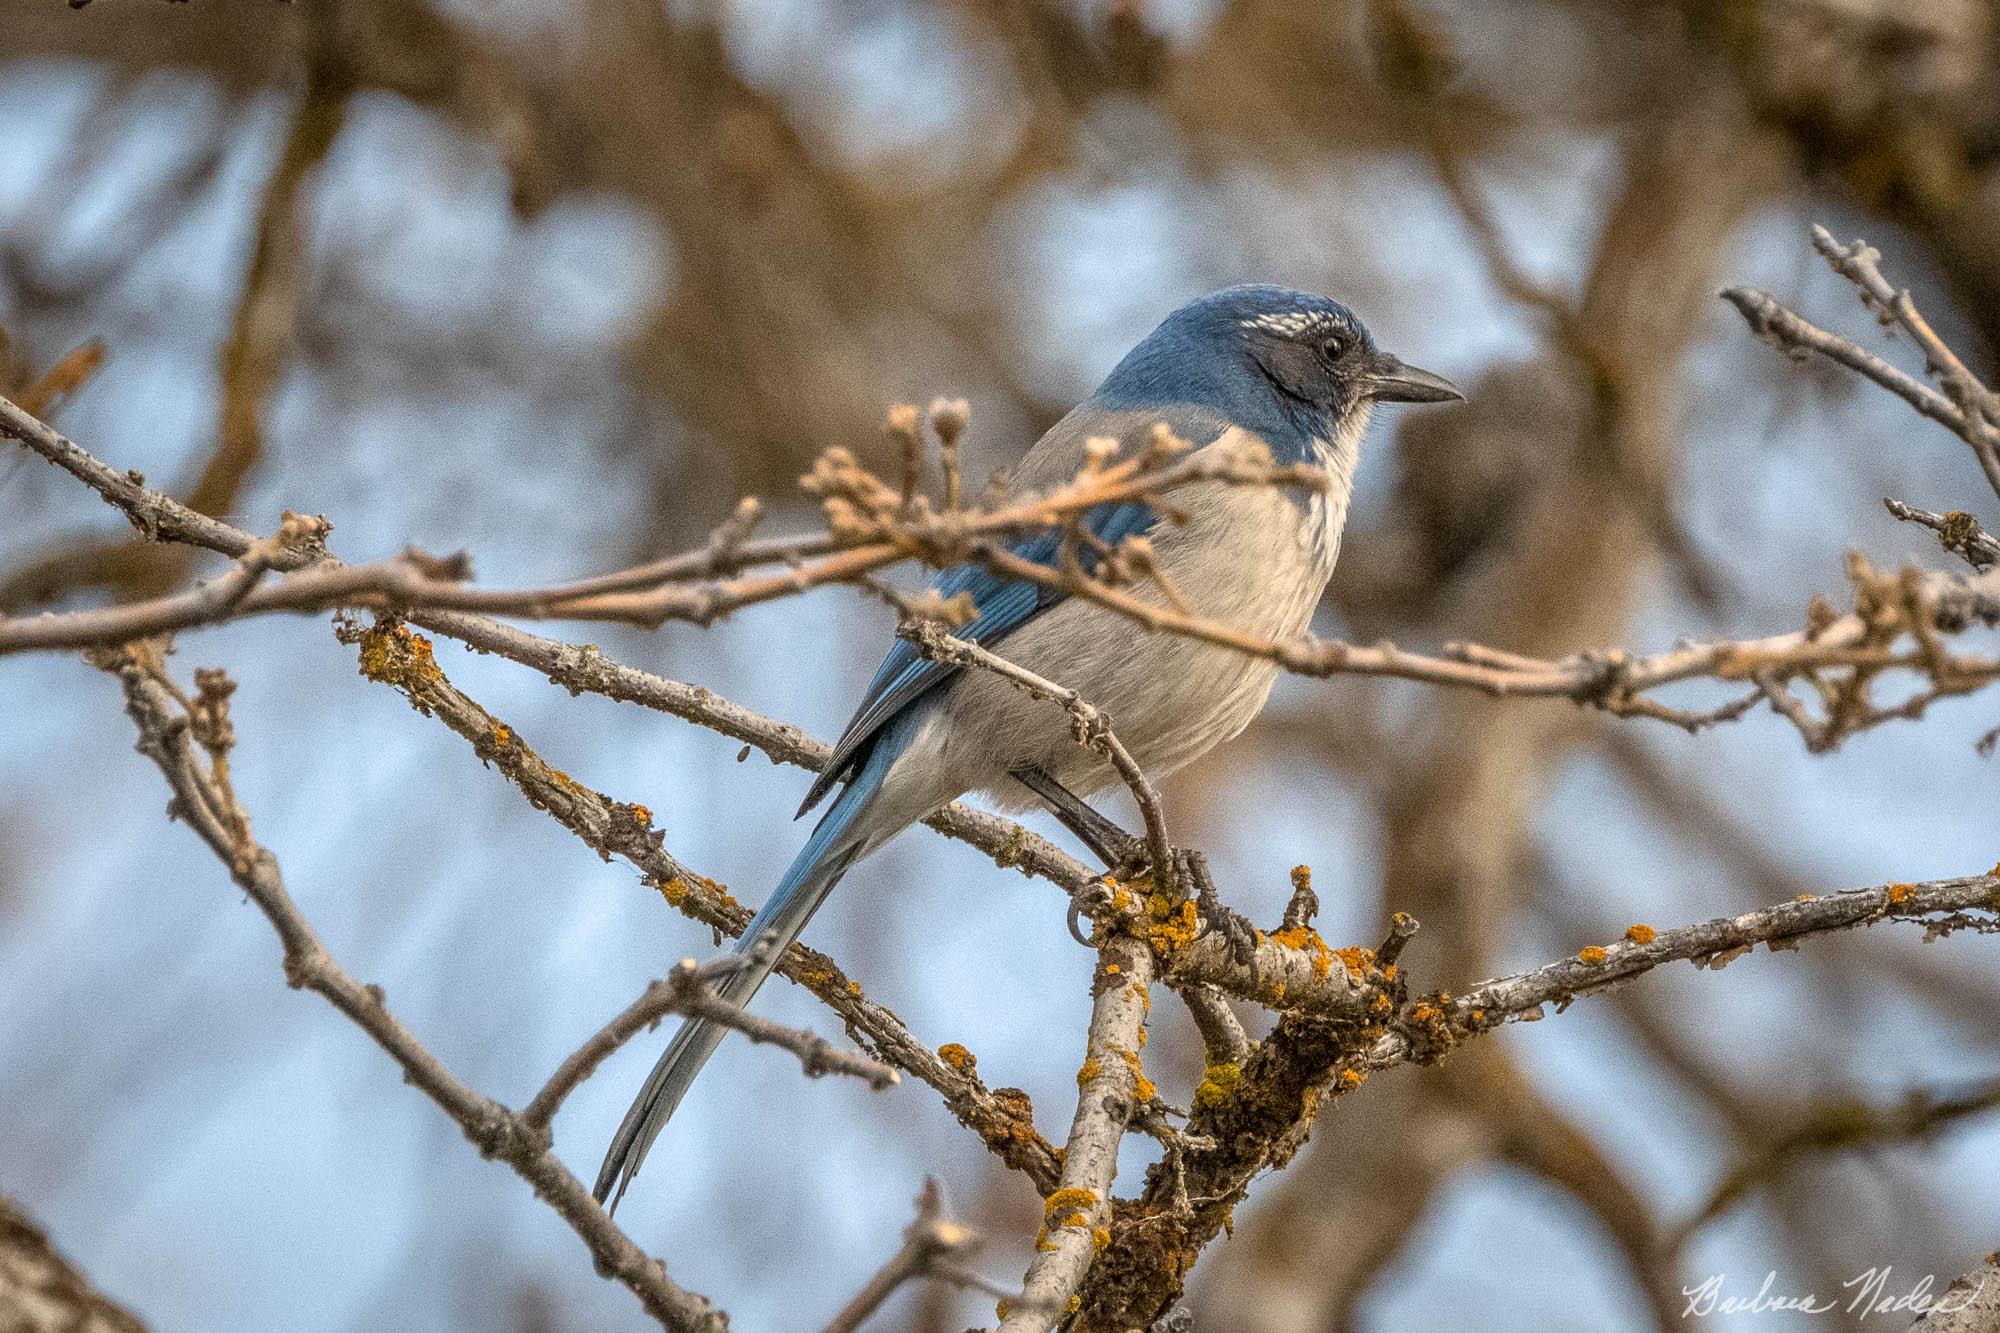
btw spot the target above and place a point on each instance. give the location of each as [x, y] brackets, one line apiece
[1358, 961]
[1307, 939]
[1090, 1070]
[1591, 955]
[1100, 1239]
[641, 815]
[1064, 1202]
[1900, 893]
[1351, 1079]
[395, 656]
[1112, 969]
[854, 988]
[1142, 1087]
[958, 1057]
[675, 891]
[1171, 926]
[1044, 1243]
[1640, 934]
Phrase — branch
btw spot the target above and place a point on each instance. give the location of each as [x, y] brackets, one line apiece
[1839, 1126]
[1971, 1304]
[1256, 1115]
[928, 1244]
[686, 990]
[168, 736]
[1092, 727]
[1615, 682]
[392, 655]
[1958, 532]
[1279, 972]
[869, 529]
[39, 1289]
[1966, 407]
[1111, 1085]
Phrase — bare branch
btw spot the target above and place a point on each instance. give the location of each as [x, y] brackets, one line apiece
[393, 655]
[686, 990]
[1845, 1125]
[1222, 1035]
[40, 1289]
[1971, 1304]
[1958, 532]
[1966, 407]
[1615, 682]
[1256, 1115]
[929, 1242]
[208, 807]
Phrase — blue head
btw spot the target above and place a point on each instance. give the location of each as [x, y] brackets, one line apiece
[1287, 366]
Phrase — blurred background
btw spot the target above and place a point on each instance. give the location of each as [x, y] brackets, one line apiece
[554, 284]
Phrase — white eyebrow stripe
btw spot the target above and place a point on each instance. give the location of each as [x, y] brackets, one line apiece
[1292, 323]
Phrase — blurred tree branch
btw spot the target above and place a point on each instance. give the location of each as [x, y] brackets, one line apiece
[41, 1292]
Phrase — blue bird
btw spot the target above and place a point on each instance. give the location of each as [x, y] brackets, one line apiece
[1295, 371]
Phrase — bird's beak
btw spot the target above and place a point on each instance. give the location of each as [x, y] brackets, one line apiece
[1390, 381]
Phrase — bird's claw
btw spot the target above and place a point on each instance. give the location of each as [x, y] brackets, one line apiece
[1076, 931]
[1234, 927]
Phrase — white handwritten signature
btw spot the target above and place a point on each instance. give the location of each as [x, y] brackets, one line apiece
[1870, 1294]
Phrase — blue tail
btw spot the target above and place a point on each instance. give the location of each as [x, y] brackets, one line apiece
[842, 837]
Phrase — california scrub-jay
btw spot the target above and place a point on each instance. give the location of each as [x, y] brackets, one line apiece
[1294, 371]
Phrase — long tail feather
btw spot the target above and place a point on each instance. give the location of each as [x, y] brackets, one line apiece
[839, 840]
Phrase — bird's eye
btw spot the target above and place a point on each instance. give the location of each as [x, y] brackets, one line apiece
[1334, 346]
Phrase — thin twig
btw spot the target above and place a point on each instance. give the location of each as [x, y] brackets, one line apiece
[928, 1243]
[1615, 682]
[686, 991]
[1092, 727]
[1958, 532]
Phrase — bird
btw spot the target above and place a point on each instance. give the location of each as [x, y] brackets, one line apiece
[1249, 365]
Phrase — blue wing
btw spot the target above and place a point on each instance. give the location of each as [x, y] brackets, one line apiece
[1004, 605]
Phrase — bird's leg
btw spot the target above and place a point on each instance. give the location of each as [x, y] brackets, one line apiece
[1124, 855]
[1111, 844]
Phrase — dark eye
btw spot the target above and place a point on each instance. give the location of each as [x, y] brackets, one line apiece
[1334, 346]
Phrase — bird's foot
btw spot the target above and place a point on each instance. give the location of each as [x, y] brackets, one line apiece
[1218, 916]
[1191, 877]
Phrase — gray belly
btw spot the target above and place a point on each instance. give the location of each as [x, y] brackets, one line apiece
[1252, 558]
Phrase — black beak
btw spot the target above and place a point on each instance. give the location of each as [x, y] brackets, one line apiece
[1390, 381]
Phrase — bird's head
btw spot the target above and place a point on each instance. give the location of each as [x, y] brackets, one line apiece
[1261, 355]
